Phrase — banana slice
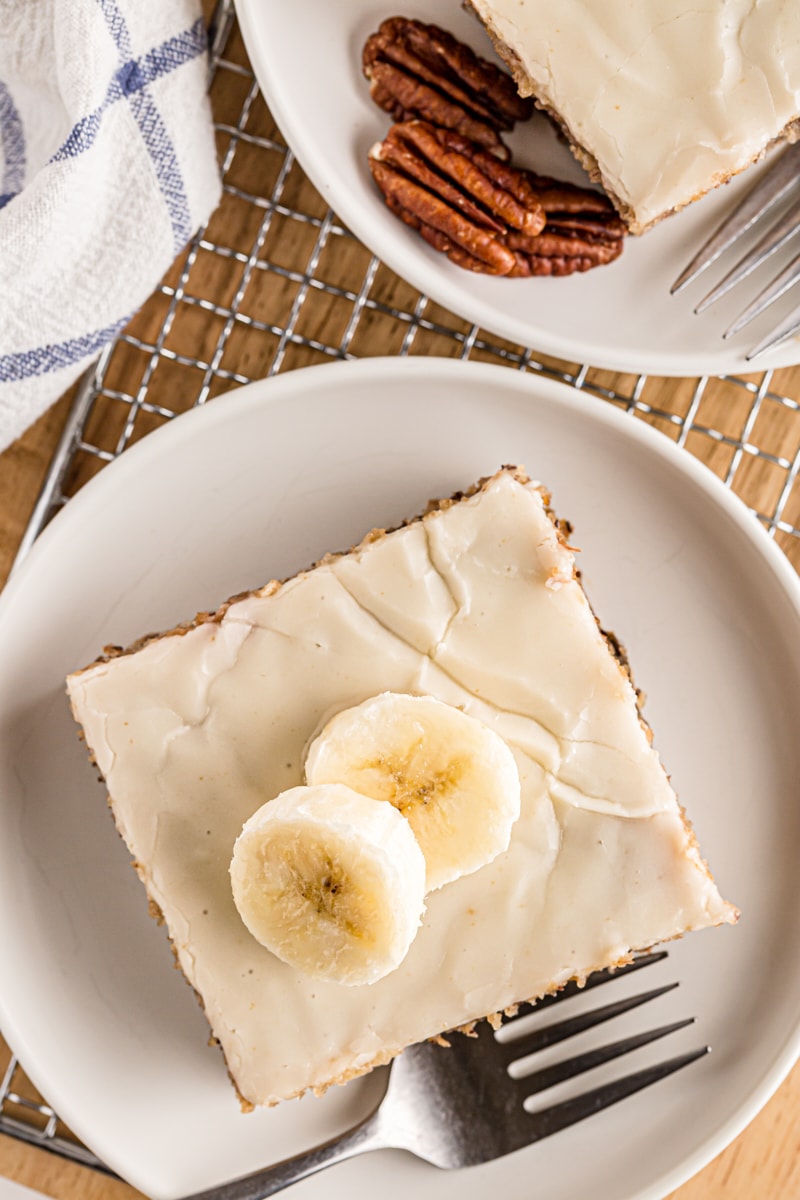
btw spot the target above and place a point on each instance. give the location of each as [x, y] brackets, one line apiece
[331, 882]
[453, 778]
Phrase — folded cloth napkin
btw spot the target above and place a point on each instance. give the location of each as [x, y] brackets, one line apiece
[107, 167]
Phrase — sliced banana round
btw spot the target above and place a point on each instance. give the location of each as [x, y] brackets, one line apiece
[331, 882]
[453, 778]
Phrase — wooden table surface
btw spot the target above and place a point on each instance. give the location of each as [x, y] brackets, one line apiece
[764, 1161]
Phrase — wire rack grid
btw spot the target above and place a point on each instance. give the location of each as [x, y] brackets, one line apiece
[275, 282]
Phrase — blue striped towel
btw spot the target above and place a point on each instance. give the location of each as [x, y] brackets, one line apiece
[107, 167]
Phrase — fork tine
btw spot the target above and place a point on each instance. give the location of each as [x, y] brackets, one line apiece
[558, 1031]
[788, 326]
[550, 1120]
[547, 1077]
[788, 276]
[773, 239]
[771, 187]
[596, 979]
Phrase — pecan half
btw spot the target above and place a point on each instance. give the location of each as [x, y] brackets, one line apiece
[583, 230]
[489, 216]
[421, 71]
[460, 197]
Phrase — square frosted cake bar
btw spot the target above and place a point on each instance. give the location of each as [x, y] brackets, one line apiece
[660, 100]
[478, 604]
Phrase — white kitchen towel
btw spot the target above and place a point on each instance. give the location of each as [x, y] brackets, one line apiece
[107, 167]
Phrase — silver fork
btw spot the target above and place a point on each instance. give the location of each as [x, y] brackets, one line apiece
[458, 1105]
[780, 183]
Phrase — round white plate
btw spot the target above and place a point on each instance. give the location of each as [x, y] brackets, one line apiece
[260, 484]
[307, 57]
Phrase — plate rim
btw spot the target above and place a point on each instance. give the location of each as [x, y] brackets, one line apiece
[578, 398]
[274, 391]
[436, 285]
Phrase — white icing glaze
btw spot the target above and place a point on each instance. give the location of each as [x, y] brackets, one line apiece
[668, 96]
[195, 731]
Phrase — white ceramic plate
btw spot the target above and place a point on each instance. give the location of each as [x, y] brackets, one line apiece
[258, 485]
[307, 57]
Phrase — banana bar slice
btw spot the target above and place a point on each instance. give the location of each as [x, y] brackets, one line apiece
[661, 100]
[476, 604]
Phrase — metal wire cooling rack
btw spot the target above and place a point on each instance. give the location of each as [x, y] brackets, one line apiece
[275, 282]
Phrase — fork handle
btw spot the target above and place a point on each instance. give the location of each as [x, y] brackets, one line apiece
[358, 1140]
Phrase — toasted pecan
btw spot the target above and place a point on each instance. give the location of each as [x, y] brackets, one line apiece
[417, 70]
[489, 216]
[458, 195]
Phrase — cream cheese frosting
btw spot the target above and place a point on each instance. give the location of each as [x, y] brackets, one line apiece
[668, 97]
[476, 604]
